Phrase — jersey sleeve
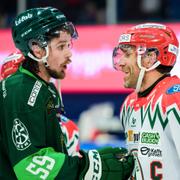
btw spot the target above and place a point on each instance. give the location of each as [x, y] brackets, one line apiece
[32, 137]
[47, 164]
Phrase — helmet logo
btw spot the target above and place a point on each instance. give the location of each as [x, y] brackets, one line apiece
[60, 16]
[125, 38]
[26, 32]
[173, 49]
[23, 18]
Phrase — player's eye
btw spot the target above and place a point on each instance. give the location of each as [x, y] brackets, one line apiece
[61, 46]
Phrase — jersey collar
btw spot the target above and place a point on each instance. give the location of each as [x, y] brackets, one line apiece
[35, 76]
[148, 90]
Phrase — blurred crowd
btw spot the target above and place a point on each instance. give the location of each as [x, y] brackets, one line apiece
[94, 11]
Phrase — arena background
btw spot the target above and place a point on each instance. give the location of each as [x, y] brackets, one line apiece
[93, 91]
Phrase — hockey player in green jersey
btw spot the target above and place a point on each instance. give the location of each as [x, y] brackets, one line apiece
[69, 128]
[146, 53]
[31, 140]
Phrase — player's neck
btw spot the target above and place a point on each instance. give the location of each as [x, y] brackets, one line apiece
[43, 73]
[149, 79]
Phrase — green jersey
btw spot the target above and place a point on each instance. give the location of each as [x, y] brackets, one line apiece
[31, 141]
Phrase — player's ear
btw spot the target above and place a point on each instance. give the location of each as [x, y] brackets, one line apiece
[37, 50]
[149, 59]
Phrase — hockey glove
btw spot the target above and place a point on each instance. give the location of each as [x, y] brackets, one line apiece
[107, 164]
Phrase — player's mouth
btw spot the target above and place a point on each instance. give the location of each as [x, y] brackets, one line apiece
[126, 75]
[65, 66]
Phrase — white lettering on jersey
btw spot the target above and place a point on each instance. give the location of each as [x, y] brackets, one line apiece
[4, 89]
[34, 93]
[41, 166]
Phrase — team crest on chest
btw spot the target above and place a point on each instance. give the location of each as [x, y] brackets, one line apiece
[20, 135]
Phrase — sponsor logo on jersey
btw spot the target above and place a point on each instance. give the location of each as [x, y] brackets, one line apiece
[34, 93]
[20, 135]
[132, 136]
[4, 89]
[150, 138]
[133, 122]
[150, 152]
[173, 89]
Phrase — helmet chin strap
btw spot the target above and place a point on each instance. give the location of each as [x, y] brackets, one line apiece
[43, 59]
[143, 70]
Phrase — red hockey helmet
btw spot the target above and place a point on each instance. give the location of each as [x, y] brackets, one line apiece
[11, 64]
[153, 36]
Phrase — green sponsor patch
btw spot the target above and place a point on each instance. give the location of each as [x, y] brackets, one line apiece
[150, 138]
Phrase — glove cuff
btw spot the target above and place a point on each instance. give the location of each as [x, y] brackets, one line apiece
[93, 165]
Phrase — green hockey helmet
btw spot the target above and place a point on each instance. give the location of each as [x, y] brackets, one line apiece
[35, 24]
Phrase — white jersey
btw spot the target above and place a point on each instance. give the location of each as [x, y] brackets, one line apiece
[152, 127]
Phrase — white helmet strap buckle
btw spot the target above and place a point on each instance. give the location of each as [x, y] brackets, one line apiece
[43, 59]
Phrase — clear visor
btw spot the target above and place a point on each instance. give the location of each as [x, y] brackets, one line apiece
[125, 50]
[71, 28]
[118, 52]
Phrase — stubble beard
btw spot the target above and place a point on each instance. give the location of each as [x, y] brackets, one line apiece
[131, 80]
[54, 74]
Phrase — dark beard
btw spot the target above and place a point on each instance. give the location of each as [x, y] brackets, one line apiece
[54, 74]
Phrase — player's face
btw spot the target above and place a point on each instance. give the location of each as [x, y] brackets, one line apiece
[59, 55]
[127, 63]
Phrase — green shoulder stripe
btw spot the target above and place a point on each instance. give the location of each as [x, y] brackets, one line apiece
[44, 164]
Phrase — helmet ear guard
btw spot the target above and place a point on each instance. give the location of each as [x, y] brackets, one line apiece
[40, 41]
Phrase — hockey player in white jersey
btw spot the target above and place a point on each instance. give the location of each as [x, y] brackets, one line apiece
[146, 53]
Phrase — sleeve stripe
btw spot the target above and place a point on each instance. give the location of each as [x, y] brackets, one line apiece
[44, 164]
